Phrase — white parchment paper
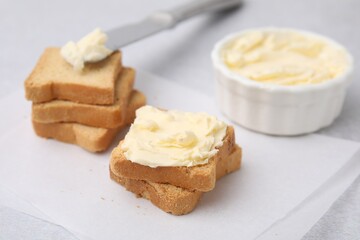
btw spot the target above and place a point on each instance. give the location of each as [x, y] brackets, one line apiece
[73, 187]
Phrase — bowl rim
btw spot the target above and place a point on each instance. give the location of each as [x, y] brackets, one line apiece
[272, 87]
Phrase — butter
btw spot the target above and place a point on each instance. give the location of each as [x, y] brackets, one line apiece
[172, 138]
[90, 48]
[284, 57]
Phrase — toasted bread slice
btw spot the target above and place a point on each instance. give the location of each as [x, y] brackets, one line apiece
[90, 138]
[201, 177]
[111, 116]
[53, 78]
[176, 200]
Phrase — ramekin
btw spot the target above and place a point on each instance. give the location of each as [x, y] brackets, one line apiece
[277, 109]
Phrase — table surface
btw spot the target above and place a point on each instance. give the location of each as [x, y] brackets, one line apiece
[183, 54]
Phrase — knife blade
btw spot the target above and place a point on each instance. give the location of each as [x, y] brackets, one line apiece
[159, 21]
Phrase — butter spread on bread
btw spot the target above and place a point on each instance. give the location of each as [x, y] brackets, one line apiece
[160, 138]
[90, 48]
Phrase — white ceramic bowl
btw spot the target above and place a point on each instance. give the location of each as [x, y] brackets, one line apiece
[277, 109]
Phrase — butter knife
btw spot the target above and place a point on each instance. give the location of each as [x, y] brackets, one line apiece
[158, 21]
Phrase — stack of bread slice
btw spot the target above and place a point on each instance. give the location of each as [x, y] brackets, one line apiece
[86, 108]
[176, 190]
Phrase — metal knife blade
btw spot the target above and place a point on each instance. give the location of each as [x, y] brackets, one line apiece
[122, 36]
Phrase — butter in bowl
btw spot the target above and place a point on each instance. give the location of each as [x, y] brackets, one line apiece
[281, 81]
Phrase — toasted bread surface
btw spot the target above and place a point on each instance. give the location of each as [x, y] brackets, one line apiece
[172, 199]
[201, 177]
[90, 138]
[54, 78]
[103, 116]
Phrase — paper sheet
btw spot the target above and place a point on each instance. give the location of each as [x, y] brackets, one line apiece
[73, 187]
[10, 200]
[301, 219]
[16, 225]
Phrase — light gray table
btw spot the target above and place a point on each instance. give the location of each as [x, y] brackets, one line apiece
[182, 55]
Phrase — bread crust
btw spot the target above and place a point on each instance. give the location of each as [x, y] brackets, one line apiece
[53, 78]
[172, 199]
[103, 116]
[201, 177]
[90, 138]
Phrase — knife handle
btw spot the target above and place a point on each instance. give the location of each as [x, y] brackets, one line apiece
[201, 6]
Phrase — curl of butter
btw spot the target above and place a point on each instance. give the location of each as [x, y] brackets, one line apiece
[90, 48]
[179, 139]
[284, 57]
[172, 138]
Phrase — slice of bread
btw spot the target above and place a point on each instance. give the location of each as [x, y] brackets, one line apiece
[176, 200]
[54, 78]
[201, 177]
[90, 138]
[111, 116]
